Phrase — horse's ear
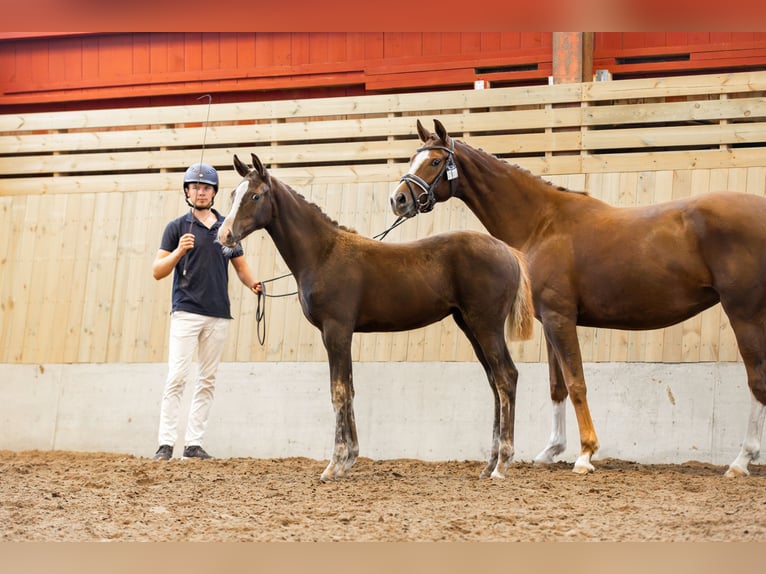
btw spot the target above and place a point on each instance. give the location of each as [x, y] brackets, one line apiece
[441, 131]
[423, 132]
[259, 166]
[241, 168]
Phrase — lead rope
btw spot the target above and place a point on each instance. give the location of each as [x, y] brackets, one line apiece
[260, 309]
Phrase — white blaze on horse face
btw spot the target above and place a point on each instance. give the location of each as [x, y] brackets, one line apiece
[239, 193]
[419, 161]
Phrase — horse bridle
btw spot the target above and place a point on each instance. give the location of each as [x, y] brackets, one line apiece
[425, 200]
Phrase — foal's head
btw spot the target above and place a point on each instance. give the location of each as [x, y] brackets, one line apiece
[432, 174]
[251, 206]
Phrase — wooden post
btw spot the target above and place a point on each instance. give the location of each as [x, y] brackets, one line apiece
[572, 57]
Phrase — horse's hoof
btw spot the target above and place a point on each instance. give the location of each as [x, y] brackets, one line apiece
[582, 465]
[497, 474]
[736, 472]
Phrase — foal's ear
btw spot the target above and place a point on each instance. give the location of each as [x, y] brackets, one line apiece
[259, 166]
[241, 168]
[423, 132]
[441, 131]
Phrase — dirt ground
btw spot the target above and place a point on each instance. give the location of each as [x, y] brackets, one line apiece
[67, 496]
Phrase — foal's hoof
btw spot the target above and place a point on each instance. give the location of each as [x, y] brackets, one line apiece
[736, 472]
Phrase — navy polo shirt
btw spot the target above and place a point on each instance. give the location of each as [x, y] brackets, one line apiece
[206, 288]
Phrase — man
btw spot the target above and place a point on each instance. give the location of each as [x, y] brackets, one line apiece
[200, 308]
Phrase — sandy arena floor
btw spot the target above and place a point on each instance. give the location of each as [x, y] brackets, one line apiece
[65, 496]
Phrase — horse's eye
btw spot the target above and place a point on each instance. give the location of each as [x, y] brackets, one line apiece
[436, 161]
[256, 196]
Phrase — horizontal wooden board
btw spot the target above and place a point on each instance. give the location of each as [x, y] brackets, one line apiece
[87, 198]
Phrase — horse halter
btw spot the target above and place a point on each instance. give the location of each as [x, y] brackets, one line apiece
[426, 200]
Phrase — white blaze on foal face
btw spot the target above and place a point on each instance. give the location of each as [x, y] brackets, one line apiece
[226, 227]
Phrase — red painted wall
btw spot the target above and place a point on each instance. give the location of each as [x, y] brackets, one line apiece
[167, 68]
[85, 70]
[633, 54]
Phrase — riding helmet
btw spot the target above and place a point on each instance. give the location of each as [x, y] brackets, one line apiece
[201, 173]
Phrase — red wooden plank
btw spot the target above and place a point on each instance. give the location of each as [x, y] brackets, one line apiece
[227, 50]
[90, 56]
[699, 38]
[298, 50]
[511, 40]
[677, 38]
[39, 61]
[68, 55]
[141, 53]
[607, 41]
[373, 46]
[337, 47]
[356, 46]
[633, 40]
[192, 54]
[653, 39]
[490, 41]
[401, 44]
[158, 53]
[318, 48]
[432, 43]
[115, 56]
[450, 43]
[730, 54]
[454, 77]
[245, 50]
[177, 52]
[7, 66]
[264, 48]
[210, 51]
[470, 42]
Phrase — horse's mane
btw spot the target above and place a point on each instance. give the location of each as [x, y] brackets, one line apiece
[316, 207]
[523, 171]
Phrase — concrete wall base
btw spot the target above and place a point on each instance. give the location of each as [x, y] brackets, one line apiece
[648, 413]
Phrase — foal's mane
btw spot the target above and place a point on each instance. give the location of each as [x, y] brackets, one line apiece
[313, 206]
[521, 170]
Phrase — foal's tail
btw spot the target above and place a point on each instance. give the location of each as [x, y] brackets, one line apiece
[520, 323]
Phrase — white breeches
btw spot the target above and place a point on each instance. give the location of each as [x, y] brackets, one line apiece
[206, 335]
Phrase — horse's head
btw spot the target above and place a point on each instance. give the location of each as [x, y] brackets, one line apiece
[431, 176]
[251, 206]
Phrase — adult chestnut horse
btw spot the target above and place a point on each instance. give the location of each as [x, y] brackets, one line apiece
[349, 283]
[601, 266]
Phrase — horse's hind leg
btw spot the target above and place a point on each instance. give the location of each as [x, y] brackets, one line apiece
[492, 352]
[751, 445]
[751, 339]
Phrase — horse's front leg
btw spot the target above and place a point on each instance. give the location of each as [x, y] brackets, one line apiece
[557, 442]
[561, 334]
[346, 447]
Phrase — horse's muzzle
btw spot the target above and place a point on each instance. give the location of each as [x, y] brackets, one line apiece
[227, 238]
[402, 205]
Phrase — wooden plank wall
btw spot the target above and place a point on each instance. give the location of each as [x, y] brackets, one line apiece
[87, 194]
[635, 54]
[168, 65]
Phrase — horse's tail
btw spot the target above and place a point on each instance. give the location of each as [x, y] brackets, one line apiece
[520, 324]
